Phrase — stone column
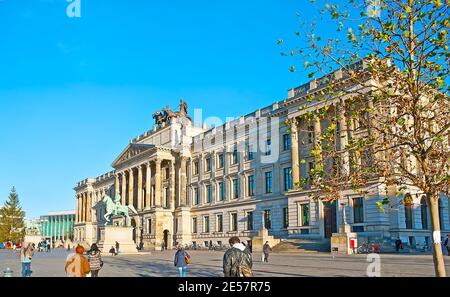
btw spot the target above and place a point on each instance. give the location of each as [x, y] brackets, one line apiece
[158, 183]
[295, 153]
[77, 207]
[131, 188]
[89, 207]
[172, 185]
[124, 188]
[148, 186]
[345, 162]
[116, 185]
[140, 189]
[83, 207]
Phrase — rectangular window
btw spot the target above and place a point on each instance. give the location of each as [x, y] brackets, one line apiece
[249, 221]
[206, 224]
[358, 210]
[286, 142]
[287, 179]
[195, 167]
[304, 214]
[235, 158]
[285, 218]
[250, 153]
[268, 182]
[311, 134]
[219, 223]
[235, 188]
[194, 225]
[149, 226]
[221, 191]
[176, 226]
[208, 164]
[220, 160]
[208, 194]
[234, 222]
[267, 219]
[251, 185]
[196, 196]
[268, 147]
[167, 170]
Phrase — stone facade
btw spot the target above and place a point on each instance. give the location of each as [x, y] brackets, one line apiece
[193, 185]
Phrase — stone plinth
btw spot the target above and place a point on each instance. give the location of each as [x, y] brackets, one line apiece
[123, 235]
[259, 240]
[341, 242]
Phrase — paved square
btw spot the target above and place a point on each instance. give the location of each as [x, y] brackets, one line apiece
[209, 264]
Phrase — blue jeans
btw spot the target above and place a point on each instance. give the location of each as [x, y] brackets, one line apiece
[182, 271]
[26, 269]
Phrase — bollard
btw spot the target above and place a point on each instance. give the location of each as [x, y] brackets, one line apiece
[8, 272]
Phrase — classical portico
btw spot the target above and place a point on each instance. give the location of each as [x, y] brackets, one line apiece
[150, 175]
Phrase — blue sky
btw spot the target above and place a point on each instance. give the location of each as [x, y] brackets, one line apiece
[74, 91]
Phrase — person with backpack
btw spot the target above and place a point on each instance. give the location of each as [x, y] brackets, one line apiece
[237, 261]
[95, 260]
[182, 260]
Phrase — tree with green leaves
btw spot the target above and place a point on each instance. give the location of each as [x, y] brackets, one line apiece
[387, 108]
[12, 225]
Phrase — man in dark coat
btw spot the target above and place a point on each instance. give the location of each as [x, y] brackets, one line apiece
[237, 261]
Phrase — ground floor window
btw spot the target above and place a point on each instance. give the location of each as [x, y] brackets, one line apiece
[304, 214]
[285, 218]
[267, 219]
[149, 226]
[194, 225]
[219, 223]
[249, 221]
[358, 210]
[206, 224]
[234, 222]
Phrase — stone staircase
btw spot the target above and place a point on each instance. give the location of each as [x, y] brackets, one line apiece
[303, 246]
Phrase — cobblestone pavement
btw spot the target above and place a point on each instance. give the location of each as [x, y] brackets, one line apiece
[209, 264]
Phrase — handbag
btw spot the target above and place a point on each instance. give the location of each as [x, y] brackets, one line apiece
[187, 259]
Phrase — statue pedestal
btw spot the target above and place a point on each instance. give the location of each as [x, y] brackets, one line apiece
[260, 240]
[341, 243]
[123, 235]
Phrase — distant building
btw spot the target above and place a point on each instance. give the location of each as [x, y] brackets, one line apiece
[58, 225]
[33, 227]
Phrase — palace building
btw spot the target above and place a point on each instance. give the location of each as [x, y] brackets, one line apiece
[196, 185]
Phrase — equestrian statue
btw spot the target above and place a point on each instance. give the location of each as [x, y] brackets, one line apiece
[115, 208]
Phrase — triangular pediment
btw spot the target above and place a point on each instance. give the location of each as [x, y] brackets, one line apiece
[132, 150]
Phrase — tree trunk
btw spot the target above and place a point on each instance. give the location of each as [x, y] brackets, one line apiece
[438, 259]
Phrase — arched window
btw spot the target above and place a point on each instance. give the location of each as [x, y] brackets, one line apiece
[424, 212]
[408, 211]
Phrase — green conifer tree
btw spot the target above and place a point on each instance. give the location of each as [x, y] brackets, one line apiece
[12, 225]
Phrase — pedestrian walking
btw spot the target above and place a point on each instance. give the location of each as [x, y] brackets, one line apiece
[447, 245]
[182, 260]
[76, 264]
[266, 251]
[95, 260]
[237, 261]
[26, 254]
[398, 244]
[112, 251]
